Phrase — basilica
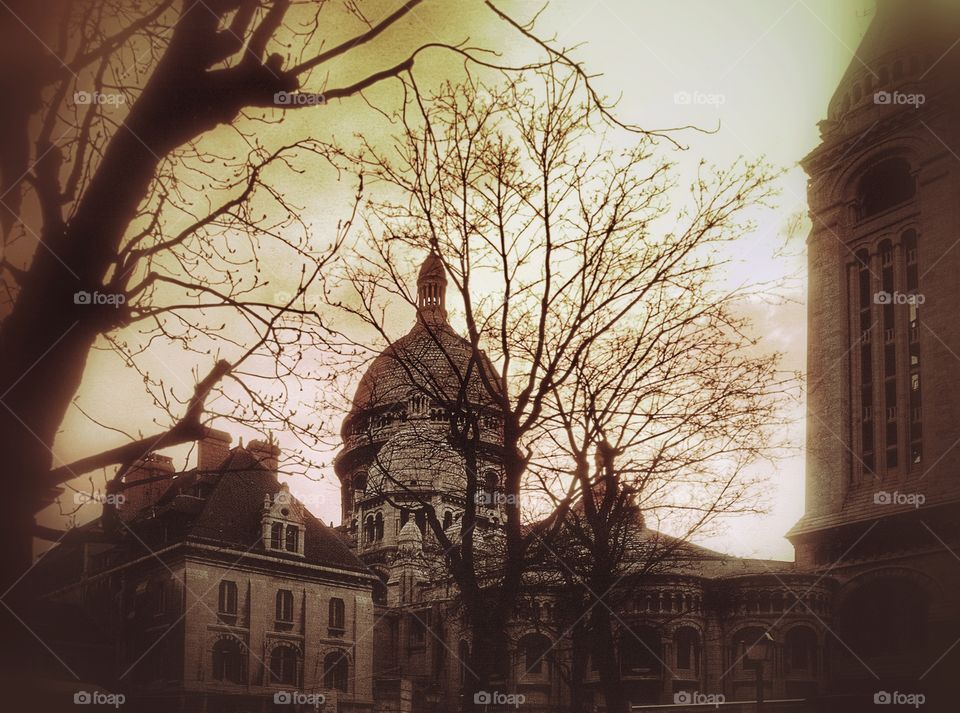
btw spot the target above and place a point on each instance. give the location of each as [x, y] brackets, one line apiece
[216, 590]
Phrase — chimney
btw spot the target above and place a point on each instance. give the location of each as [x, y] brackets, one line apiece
[143, 484]
[212, 449]
[266, 453]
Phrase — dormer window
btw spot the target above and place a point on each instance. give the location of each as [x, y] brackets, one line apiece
[284, 521]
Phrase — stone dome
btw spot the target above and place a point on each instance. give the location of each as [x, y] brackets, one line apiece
[431, 361]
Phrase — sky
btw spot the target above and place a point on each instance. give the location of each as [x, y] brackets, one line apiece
[756, 74]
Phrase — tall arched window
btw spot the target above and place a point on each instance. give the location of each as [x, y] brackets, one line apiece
[378, 526]
[336, 670]
[687, 643]
[284, 665]
[447, 520]
[229, 660]
[912, 282]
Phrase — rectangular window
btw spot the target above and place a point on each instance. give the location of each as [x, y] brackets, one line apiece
[276, 536]
[284, 605]
[228, 597]
[293, 538]
[337, 616]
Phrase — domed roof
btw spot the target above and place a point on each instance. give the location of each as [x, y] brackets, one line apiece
[431, 360]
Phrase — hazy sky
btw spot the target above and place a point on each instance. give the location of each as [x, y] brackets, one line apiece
[758, 72]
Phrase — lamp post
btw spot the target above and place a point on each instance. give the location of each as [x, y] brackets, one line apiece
[756, 654]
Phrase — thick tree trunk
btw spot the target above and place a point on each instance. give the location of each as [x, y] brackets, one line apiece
[609, 665]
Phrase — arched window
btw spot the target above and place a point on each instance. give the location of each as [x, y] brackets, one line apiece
[336, 670]
[886, 185]
[284, 664]
[640, 652]
[284, 605]
[687, 643]
[534, 655]
[800, 650]
[228, 598]
[490, 480]
[229, 661]
[378, 527]
[447, 520]
[337, 616]
[368, 531]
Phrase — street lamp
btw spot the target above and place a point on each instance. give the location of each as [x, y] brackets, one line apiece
[755, 655]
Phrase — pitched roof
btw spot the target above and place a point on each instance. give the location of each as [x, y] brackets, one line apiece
[225, 507]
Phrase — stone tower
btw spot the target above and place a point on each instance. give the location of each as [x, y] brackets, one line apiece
[883, 361]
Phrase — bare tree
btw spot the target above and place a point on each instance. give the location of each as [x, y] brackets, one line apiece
[127, 223]
[553, 238]
[661, 424]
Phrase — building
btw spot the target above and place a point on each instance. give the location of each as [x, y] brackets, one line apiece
[883, 471]
[213, 590]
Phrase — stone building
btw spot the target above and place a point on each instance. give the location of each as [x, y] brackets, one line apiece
[213, 590]
[883, 403]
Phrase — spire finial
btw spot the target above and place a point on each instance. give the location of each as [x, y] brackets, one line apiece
[432, 288]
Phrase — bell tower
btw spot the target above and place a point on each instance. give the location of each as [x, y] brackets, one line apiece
[883, 358]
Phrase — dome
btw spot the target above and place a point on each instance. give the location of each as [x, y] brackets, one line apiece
[431, 361]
